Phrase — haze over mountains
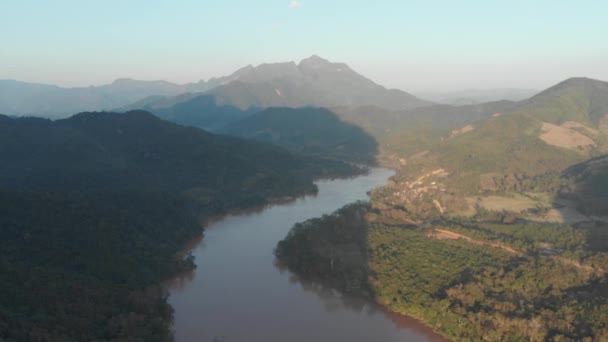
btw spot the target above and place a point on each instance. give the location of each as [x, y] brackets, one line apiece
[303, 170]
[22, 98]
[313, 82]
[474, 96]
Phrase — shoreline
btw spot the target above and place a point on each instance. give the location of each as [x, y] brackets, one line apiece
[401, 320]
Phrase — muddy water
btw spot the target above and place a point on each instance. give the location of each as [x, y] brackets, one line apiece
[237, 294]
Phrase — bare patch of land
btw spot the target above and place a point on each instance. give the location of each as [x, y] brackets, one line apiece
[565, 136]
[442, 234]
[514, 203]
[463, 130]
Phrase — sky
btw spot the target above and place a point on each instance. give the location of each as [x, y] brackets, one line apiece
[413, 45]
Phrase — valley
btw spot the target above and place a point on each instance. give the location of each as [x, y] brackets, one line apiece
[492, 224]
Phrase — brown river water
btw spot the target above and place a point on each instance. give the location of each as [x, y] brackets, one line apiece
[238, 294]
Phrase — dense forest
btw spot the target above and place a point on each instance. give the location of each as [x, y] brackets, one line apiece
[95, 209]
[84, 267]
[522, 282]
[310, 131]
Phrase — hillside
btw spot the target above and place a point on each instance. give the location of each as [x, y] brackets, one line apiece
[589, 186]
[311, 131]
[402, 133]
[360, 134]
[511, 151]
[134, 150]
[582, 100]
[193, 110]
[95, 211]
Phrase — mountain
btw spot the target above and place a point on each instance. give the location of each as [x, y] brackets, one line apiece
[578, 99]
[21, 98]
[312, 131]
[95, 211]
[192, 109]
[313, 82]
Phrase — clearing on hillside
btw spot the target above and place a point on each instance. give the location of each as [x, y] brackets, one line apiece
[564, 136]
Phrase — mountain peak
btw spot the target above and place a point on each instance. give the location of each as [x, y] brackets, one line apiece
[244, 70]
[124, 80]
[577, 82]
[315, 60]
[315, 64]
[579, 99]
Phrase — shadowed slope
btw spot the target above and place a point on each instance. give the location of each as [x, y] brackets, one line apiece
[312, 131]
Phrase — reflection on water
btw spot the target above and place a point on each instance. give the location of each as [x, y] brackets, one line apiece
[334, 300]
[238, 294]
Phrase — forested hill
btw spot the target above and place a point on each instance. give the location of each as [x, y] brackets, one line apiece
[95, 208]
[137, 151]
[191, 109]
[313, 131]
[561, 126]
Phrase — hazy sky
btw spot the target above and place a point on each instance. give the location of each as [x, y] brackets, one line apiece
[414, 45]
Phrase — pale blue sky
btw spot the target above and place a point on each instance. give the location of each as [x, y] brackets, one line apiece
[414, 45]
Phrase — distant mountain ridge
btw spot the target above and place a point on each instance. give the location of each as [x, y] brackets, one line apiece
[32, 99]
[475, 96]
[313, 82]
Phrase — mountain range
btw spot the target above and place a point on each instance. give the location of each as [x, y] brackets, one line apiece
[475, 96]
[309, 131]
[313, 82]
[32, 99]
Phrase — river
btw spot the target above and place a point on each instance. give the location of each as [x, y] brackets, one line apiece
[238, 294]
